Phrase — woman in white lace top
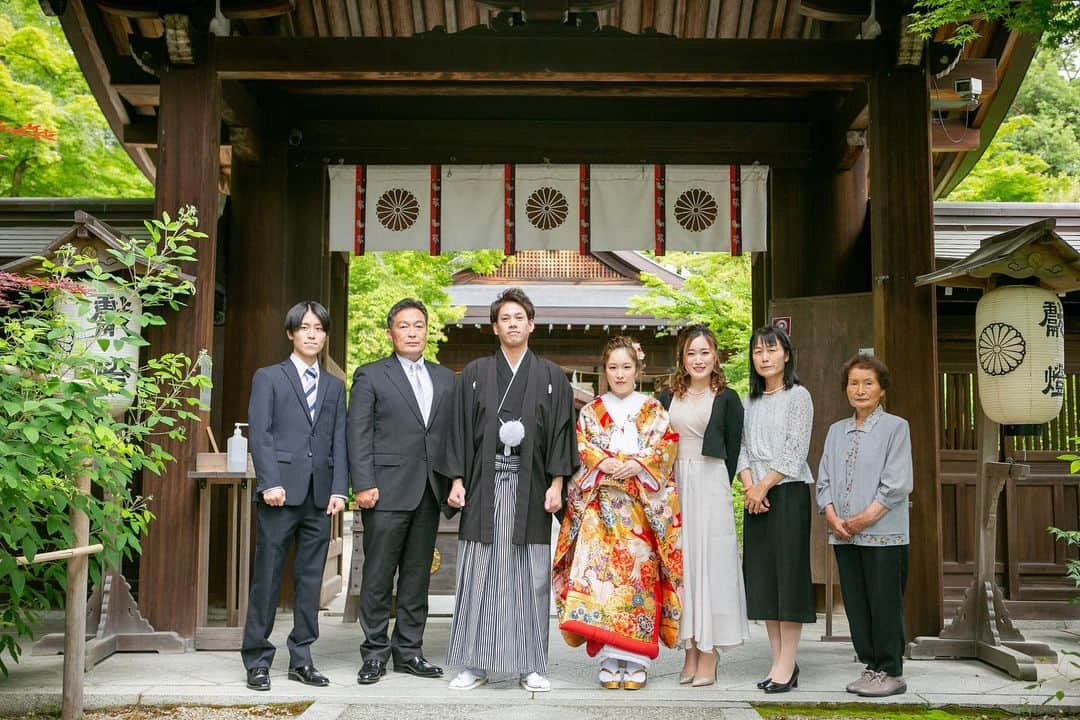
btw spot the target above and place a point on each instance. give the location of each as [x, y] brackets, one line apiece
[776, 528]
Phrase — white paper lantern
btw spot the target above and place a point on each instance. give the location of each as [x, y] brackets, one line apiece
[1020, 342]
[91, 328]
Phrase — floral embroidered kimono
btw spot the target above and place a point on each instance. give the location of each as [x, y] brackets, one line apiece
[617, 574]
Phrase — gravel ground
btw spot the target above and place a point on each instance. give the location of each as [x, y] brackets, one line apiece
[180, 712]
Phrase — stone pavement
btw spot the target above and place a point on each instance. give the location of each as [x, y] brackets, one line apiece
[217, 678]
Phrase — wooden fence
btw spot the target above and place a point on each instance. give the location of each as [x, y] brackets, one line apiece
[1031, 564]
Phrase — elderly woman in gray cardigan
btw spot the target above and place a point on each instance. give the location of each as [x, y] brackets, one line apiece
[863, 484]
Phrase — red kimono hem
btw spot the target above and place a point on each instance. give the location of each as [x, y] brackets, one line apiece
[598, 637]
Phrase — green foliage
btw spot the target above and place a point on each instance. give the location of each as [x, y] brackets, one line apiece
[40, 83]
[1035, 156]
[1056, 20]
[378, 280]
[716, 293]
[55, 419]
[1072, 538]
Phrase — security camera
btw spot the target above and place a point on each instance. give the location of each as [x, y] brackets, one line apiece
[968, 88]
[296, 137]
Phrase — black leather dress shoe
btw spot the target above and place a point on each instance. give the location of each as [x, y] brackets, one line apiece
[418, 666]
[370, 672]
[258, 678]
[309, 676]
[762, 683]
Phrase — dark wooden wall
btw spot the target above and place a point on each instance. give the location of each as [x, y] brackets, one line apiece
[573, 349]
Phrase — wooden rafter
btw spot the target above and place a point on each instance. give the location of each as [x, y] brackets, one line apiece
[571, 59]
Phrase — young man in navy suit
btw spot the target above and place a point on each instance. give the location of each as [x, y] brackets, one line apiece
[296, 419]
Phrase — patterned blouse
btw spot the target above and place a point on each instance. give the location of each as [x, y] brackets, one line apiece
[776, 435]
[862, 464]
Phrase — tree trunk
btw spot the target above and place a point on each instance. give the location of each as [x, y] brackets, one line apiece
[17, 175]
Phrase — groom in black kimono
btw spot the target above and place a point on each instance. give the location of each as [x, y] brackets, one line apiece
[511, 443]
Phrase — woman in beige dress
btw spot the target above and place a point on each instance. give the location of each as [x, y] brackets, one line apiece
[708, 416]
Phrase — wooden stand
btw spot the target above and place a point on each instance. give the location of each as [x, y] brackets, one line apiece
[210, 471]
[982, 628]
[111, 610]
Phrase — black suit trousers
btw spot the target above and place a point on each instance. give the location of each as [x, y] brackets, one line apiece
[401, 543]
[276, 529]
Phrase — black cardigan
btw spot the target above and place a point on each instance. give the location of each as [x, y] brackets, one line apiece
[723, 434]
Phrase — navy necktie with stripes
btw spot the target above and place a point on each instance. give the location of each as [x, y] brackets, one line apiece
[311, 382]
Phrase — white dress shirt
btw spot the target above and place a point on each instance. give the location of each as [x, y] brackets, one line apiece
[418, 370]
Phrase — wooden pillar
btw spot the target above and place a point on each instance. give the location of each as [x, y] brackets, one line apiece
[189, 122]
[905, 319]
[255, 289]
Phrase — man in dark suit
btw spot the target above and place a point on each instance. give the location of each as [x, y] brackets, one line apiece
[396, 419]
[296, 419]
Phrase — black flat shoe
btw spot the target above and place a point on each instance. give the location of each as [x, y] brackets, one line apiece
[308, 675]
[419, 667]
[370, 672]
[762, 683]
[775, 687]
[258, 678]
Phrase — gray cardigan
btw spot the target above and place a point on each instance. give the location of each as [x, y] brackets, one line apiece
[859, 466]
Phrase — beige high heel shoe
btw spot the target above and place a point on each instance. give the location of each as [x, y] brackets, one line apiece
[707, 681]
[685, 678]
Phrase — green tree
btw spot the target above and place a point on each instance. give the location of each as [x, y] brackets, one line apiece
[41, 84]
[378, 280]
[716, 293]
[1035, 155]
[56, 423]
[1007, 173]
[1058, 21]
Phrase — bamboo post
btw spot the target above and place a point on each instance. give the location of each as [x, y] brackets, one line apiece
[75, 611]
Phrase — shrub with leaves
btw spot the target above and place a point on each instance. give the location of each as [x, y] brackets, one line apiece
[55, 418]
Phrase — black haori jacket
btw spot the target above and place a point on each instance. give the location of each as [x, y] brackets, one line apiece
[548, 450]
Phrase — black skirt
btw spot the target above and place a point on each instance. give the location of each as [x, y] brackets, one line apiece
[776, 557]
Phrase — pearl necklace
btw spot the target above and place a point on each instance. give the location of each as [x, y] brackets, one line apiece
[699, 393]
[772, 392]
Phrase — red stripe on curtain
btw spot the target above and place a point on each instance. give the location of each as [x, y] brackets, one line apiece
[508, 209]
[658, 191]
[583, 207]
[436, 209]
[736, 211]
[358, 226]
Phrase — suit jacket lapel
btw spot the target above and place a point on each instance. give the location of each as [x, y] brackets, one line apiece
[437, 392]
[291, 375]
[320, 395]
[396, 373]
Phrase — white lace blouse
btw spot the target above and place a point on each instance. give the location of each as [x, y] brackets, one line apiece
[776, 435]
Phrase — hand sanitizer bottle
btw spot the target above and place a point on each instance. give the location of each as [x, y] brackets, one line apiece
[238, 451]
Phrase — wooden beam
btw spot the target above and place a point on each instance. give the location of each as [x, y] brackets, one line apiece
[146, 94]
[590, 89]
[954, 136]
[849, 123]
[835, 10]
[144, 133]
[86, 33]
[571, 60]
[905, 317]
[775, 144]
[188, 173]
